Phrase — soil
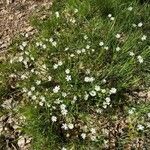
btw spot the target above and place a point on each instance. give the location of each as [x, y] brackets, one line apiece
[14, 18]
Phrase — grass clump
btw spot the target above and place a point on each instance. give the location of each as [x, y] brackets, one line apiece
[75, 78]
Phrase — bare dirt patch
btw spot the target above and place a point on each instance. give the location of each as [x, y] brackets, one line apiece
[14, 18]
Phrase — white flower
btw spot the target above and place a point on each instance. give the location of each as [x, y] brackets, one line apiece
[140, 24]
[89, 79]
[88, 46]
[130, 8]
[41, 103]
[101, 43]
[109, 15]
[118, 36]
[97, 88]
[85, 37]
[70, 126]
[24, 44]
[113, 90]
[112, 18]
[21, 142]
[83, 135]
[106, 47]
[72, 20]
[54, 43]
[32, 58]
[134, 25]
[148, 115]
[64, 126]
[29, 93]
[60, 63]
[44, 46]
[93, 138]
[55, 66]
[20, 59]
[93, 131]
[56, 89]
[32, 70]
[92, 79]
[37, 44]
[49, 78]
[143, 37]
[64, 112]
[62, 106]
[67, 71]
[108, 100]
[63, 148]
[54, 118]
[83, 50]
[76, 10]
[104, 105]
[64, 94]
[68, 78]
[131, 54]
[78, 51]
[131, 111]
[57, 14]
[32, 88]
[104, 81]
[140, 59]
[87, 71]
[44, 66]
[103, 90]
[86, 96]
[117, 49]
[99, 111]
[57, 101]
[26, 52]
[34, 97]
[93, 50]
[51, 40]
[24, 90]
[42, 98]
[72, 55]
[38, 82]
[140, 127]
[148, 124]
[75, 98]
[93, 93]
[66, 49]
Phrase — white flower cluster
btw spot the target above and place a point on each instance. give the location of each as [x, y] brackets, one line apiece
[57, 14]
[60, 63]
[63, 109]
[54, 43]
[68, 77]
[40, 44]
[66, 126]
[89, 79]
[106, 102]
[111, 17]
[140, 59]
[91, 134]
[23, 45]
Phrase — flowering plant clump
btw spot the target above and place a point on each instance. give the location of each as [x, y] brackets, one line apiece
[76, 76]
